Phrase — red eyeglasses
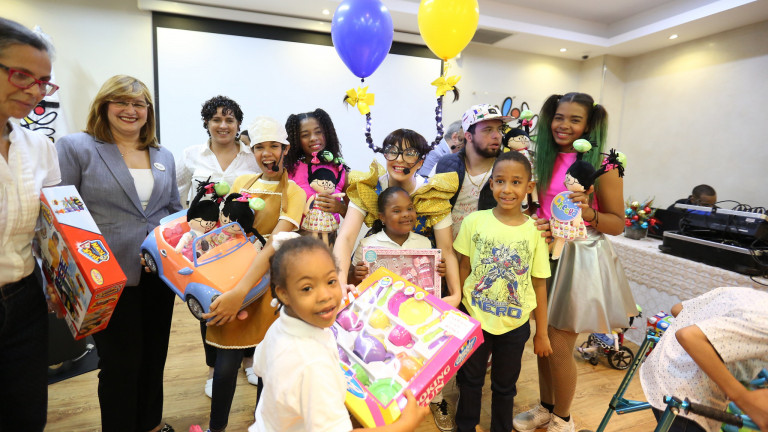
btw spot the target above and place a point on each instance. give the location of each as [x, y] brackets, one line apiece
[24, 81]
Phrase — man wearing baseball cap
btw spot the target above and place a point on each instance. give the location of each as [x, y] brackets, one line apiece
[482, 126]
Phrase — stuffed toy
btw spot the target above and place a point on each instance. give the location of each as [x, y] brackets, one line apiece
[566, 222]
[318, 222]
[517, 139]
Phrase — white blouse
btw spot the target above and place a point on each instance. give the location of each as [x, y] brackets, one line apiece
[198, 163]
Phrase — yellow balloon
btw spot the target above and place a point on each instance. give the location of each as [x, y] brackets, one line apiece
[447, 26]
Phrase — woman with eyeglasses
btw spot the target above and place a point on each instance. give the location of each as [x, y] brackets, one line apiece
[27, 163]
[404, 151]
[128, 183]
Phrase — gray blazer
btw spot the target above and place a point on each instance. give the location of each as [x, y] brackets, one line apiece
[98, 171]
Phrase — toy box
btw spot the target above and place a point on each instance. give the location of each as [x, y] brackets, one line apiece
[394, 336]
[77, 261]
[417, 266]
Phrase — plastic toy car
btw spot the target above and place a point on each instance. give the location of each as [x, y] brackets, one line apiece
[218, 260]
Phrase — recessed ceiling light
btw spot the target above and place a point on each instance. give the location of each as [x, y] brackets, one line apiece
[563, 50]
[674, 36]
[326, 12]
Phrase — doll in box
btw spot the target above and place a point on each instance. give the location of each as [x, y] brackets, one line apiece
[316, 221]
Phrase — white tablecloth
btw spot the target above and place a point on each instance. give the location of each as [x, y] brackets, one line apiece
[660, 280]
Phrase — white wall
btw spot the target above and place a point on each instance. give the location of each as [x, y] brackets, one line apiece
[489, 75]
[696, 113]
[95, 39]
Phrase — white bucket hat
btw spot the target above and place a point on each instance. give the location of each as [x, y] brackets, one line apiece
[263, 129]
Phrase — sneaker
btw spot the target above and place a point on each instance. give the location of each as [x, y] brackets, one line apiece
[445, 418]
[559, 425]
[166, 428]
[209, 387]
[535, 418]
[253, 379]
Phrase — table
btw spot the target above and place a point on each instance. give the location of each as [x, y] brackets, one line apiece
[659, 281]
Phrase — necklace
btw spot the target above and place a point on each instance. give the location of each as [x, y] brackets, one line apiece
[482, 182]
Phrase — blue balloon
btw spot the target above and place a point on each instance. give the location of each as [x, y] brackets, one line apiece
[362, 33]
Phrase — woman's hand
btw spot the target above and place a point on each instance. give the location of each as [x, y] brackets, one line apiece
[225, 308]
[327, 203]
[581, 199]
[441, 267]
[542, 225]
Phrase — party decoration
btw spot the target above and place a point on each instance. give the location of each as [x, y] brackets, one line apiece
[445, 84]
[638, 217]
[362, 33]
[447, 26]
[360, 98]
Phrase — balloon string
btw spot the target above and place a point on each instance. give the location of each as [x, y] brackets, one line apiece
[439, 122]
[368, 137]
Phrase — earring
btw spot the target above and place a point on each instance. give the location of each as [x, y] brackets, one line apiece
[274, 303]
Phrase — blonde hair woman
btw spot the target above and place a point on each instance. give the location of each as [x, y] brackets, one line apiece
[128, 183]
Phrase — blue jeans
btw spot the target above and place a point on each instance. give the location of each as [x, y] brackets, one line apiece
[507, 350]
[23, 356]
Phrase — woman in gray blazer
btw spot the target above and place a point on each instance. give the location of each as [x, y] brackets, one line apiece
[128, 183]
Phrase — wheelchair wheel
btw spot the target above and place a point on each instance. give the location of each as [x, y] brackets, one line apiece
[621, 359]
[586, 355]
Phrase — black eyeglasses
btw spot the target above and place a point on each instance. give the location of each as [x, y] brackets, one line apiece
[392, 152]
[24, 81]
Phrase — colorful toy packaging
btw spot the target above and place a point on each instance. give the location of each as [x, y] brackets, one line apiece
[417, 266]
[77, 261]
[395, 336]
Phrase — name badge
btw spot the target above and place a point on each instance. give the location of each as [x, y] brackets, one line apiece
[159, 166]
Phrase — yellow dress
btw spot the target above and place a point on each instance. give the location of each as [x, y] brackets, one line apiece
[431, 200]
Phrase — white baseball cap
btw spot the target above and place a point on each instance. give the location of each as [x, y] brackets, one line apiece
[263, 129]
[482, 112]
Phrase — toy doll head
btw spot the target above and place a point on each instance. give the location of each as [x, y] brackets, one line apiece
[581, 175]
[516, 139]
[323, 179]
[237, 208]
[203, 215]
[203, 212]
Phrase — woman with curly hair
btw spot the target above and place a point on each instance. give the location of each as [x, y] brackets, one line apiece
[314, 145]
[223, 157]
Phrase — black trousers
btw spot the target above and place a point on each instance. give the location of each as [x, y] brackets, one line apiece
[210, 350]
[132, 352]
[23, 356]
[507, 350]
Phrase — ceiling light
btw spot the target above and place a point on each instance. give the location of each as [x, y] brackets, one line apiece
[563, 50]
[674, 36]
[326, 12]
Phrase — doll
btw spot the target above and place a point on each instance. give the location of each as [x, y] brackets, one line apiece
[426, 281]
[316, 221]
[517, 139]
[566, 222]
[202, 217]
[240, 208]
